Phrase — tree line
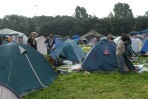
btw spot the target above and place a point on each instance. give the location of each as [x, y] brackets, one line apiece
[121, 21]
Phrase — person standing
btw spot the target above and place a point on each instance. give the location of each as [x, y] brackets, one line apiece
[49, 43]
[0, 41]
[96, 39]
[120, 50]
[128, 48]
[31, 41]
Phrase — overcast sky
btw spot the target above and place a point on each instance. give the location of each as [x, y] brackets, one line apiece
[99, 8]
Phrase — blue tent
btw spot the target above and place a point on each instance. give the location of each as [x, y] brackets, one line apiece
[102, 57]
[144, 31]
[69, 50]
[76, 38]
[133, 33]
[145, 47]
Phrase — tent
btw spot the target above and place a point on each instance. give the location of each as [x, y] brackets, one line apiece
[143, 31]
[69, 50]
[91, 34]
[102, 57]
[7, 93]
[136, 43]
[16, 34]
[40, 45]
[145, 47]
[9, 32]
[23, 69]
[133, 33]
[76, 38]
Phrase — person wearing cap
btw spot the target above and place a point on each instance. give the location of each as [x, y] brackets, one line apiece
[31, 41]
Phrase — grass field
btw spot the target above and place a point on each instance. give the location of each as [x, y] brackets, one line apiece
[97, 85]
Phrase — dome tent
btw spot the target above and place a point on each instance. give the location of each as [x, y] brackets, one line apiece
[102, 57]
[23, 69]
[69, 50]
[145, 47]
[7, 93]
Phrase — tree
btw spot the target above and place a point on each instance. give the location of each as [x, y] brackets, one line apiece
[122, 10]
[80, 13]
[110, 15]
[146, 13]
[15, 22]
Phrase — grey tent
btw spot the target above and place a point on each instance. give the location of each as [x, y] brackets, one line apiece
[9, 32]
[91, 34]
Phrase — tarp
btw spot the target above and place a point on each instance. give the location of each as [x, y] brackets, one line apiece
[40, 45]
[23, 69]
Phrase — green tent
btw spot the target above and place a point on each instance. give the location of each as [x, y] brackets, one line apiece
[23, 69]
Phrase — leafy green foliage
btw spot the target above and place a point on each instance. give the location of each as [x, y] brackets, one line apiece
[80, 23]
[122, 10]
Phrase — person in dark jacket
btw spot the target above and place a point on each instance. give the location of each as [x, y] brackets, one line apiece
[128, 49]
[0, 41]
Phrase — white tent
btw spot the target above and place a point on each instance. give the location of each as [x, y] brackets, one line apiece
[40, 45]
[136, 43]
[15, 34]
[7, 93]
